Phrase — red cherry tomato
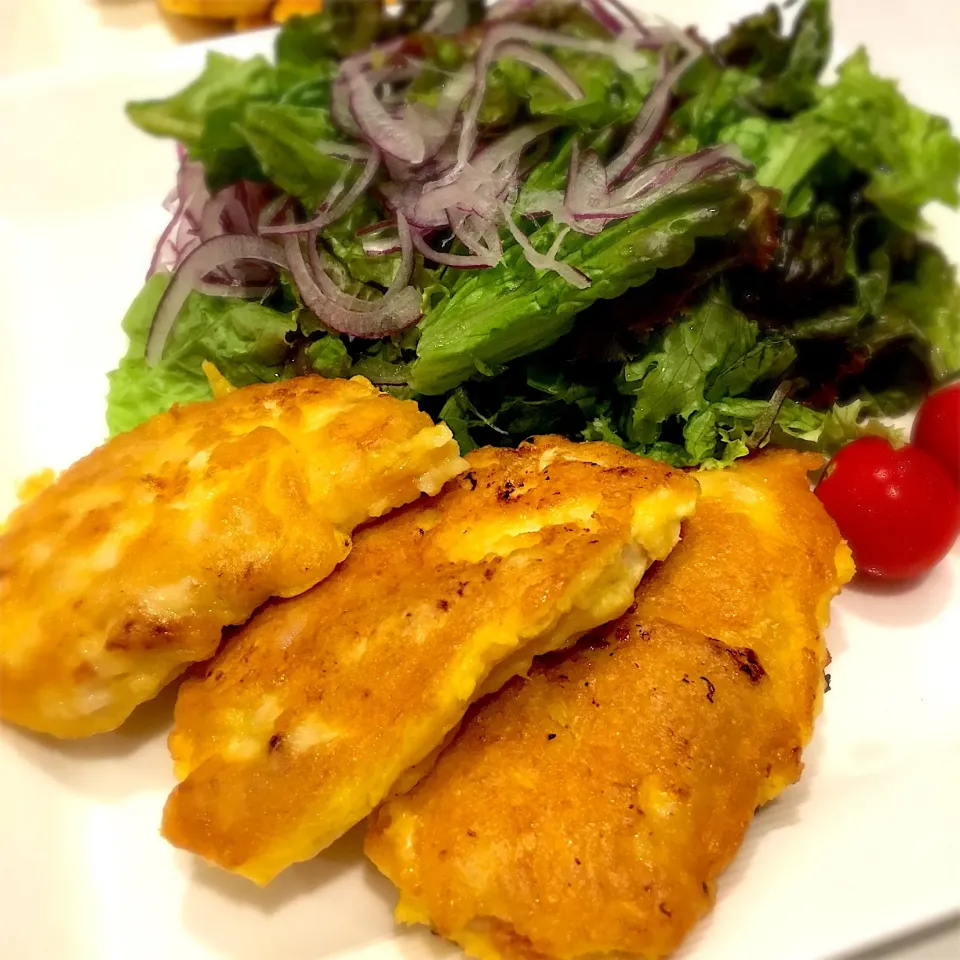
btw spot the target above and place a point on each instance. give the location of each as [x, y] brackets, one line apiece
[937, 428]
[897, 509]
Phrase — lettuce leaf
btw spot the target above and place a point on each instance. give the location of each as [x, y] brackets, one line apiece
[530, 398]
[762, 92]
[255, 120]
[911, 157]
[786, 66]
[493, 316]
[611, 94]
[225, 82]
[328, 356]
[785, 155]
[851, 304]
[712, 353]
[729, 429]
[282, 138]
[927, 307]
[341, 29]
[247, 342]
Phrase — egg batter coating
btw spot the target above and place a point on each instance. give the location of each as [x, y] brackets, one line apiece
[587, 810]
[322, 706]
[125, 570]
[757, 569]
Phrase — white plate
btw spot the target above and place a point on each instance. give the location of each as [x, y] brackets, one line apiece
[865, 847]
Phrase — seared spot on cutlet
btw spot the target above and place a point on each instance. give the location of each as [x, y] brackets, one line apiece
[747, 662]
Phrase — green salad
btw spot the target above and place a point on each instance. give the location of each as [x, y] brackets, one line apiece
[555, 217]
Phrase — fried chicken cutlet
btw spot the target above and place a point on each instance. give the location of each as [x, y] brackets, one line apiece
[587, 810]
[125, 570]
[322, 706]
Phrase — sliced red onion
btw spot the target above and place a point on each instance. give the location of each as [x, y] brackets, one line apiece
[433, 168]
[523, 53]
[197, 217]
[509, 9]
[436, 124]
[436, 178]
[472, 191]
[351, 152]
[401, 278]
[512, 33]
[333, 194]
[587, 185]
[406, 197]
[332, 208]
[340, 106]
[627, 17]
[607, 20]
[397, 309]
[586, 190]
[166, 247]
[573, 170]
[222, 206]
[204, 260]
[459, 261]
[375, 227]
[508, 149]
[184, 204]
[688, 40]
[476, 188]
[379, 239]
[671, 176]
[380, 246]
[548, 260]
[542, 203]
[389, 134]
[479, 236]
[340, 297]
[311, 294]
[400, 313]
[649, 177]
[272, 211]
[441, 12]
[242, 291]
[393, 78]
[648, 125]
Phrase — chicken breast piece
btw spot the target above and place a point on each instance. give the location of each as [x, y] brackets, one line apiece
[322, 706]
[586, 811]
[757, 569]
[124, 571]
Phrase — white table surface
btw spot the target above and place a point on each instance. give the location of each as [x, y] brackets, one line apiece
[40, 34]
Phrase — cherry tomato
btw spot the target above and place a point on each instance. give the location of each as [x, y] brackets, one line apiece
[897, 509]
[937, 428]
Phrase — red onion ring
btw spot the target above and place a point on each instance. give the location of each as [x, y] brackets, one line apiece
[604, 17]
[648, 125]
[456, 260]
[548, 260]
[506, 33]
[380, 129]
[198, 264]
[523, 53]
[398, 308]
[351, 152]
[478, 235]
[333, 209]
[380, 247]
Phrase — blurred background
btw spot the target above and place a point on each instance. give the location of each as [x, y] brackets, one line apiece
[43, 33]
